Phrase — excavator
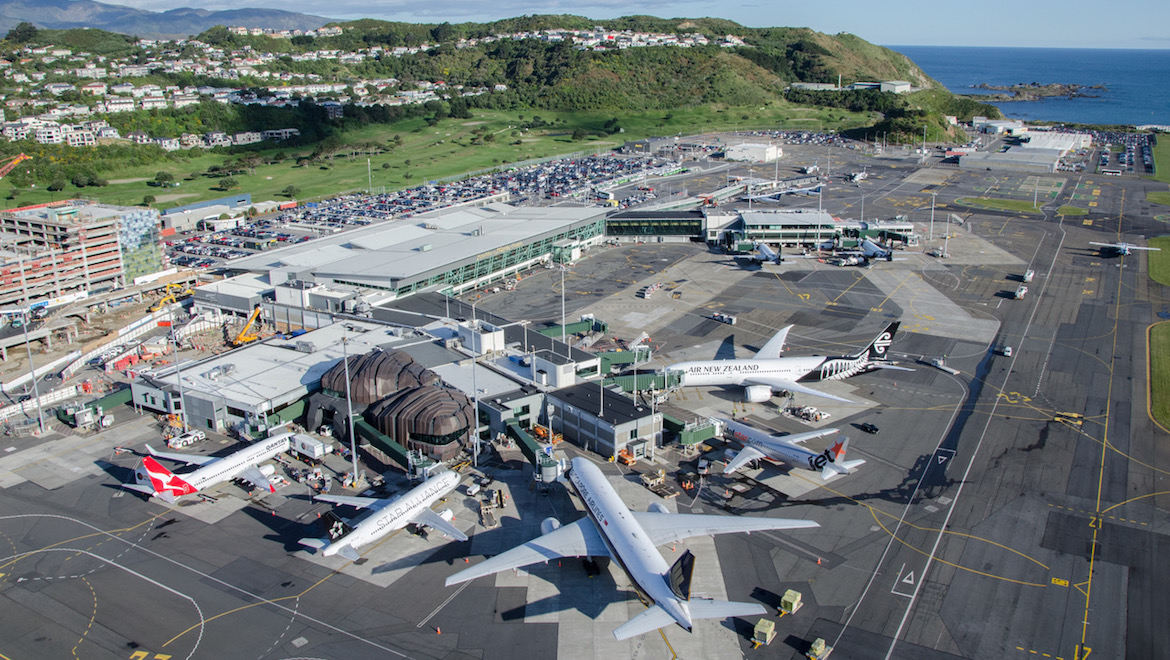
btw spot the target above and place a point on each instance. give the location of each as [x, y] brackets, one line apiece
[246, 337]
[174, 293]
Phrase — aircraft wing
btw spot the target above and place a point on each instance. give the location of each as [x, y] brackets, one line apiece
[791, 386]
[744, 457]
[349, 500]
[181, 458]
[578, 539]
[666, 528]
[428, 517]
[254, 476]
[775, 346]
[799, 438]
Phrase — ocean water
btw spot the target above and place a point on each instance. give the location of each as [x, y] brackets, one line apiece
[1137, 81]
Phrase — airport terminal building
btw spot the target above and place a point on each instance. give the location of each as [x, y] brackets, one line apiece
[453, 249]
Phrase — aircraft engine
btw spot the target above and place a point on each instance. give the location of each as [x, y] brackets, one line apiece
[657, 507]
[757, 393]
[267, 470]
[549, 525]
[447, 514]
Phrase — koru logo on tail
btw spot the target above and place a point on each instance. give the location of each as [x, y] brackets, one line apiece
[882, 343]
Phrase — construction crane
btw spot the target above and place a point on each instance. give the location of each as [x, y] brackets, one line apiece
[12, 162]
[244, 337]
[174, 293]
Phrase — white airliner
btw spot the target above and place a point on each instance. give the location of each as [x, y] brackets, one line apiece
[631, 539]
[389, 514]
[1123, 247]
[787, 449]
[767, 372]
[155, 480]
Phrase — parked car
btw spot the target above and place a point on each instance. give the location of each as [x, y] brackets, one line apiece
[869, 427]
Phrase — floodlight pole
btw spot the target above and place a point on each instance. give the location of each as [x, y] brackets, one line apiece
[931, 238]
[178, 372]
[476, 343]
[349, 406]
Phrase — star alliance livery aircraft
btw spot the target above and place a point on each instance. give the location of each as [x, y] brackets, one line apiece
[155, 480]
[787, 449]
[389, 514]
[767, 372]
[631, 539]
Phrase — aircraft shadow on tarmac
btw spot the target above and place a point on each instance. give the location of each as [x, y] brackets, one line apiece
[900, 493]
[601, 591]
[442, 549]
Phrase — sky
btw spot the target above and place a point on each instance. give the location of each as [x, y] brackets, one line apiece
[1027, 23]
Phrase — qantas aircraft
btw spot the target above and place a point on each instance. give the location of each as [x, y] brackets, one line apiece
[631, 539]
[155, 480]
[787, 449]
[389, 514]
[768, 372]
[1122, 248]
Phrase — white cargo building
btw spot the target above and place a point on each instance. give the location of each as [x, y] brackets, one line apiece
[749, 152]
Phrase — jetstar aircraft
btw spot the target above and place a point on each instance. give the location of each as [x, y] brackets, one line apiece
[155, 480]
[389, 514]
[768, 372]
[787, 449]
[631, 539]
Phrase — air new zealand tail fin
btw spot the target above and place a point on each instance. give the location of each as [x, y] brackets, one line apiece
[680, 575]
[878, 349]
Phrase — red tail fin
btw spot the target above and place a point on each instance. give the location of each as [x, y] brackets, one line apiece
[165, 483]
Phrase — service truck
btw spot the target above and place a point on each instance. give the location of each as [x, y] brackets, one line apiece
[309, 449]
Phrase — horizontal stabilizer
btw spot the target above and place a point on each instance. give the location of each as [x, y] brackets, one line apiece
[143, 488]
[349, 553]
[721, 609]
[888, 365]
[316, 544]
[652, 619]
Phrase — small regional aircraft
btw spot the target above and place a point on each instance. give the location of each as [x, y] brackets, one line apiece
[787, 449]
[766, 253]
[1123, 247]
[389, 514]
[768, 372]
[157, 481]
[631, 538]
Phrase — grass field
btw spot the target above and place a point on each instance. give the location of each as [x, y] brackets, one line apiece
[997, 204]
[437, 152]
[1071, 210]
[1161, 172]
[1160, 261]
[1160, 373]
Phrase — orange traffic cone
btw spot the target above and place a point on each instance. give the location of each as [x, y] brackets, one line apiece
[438, 630]
[818, 561]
